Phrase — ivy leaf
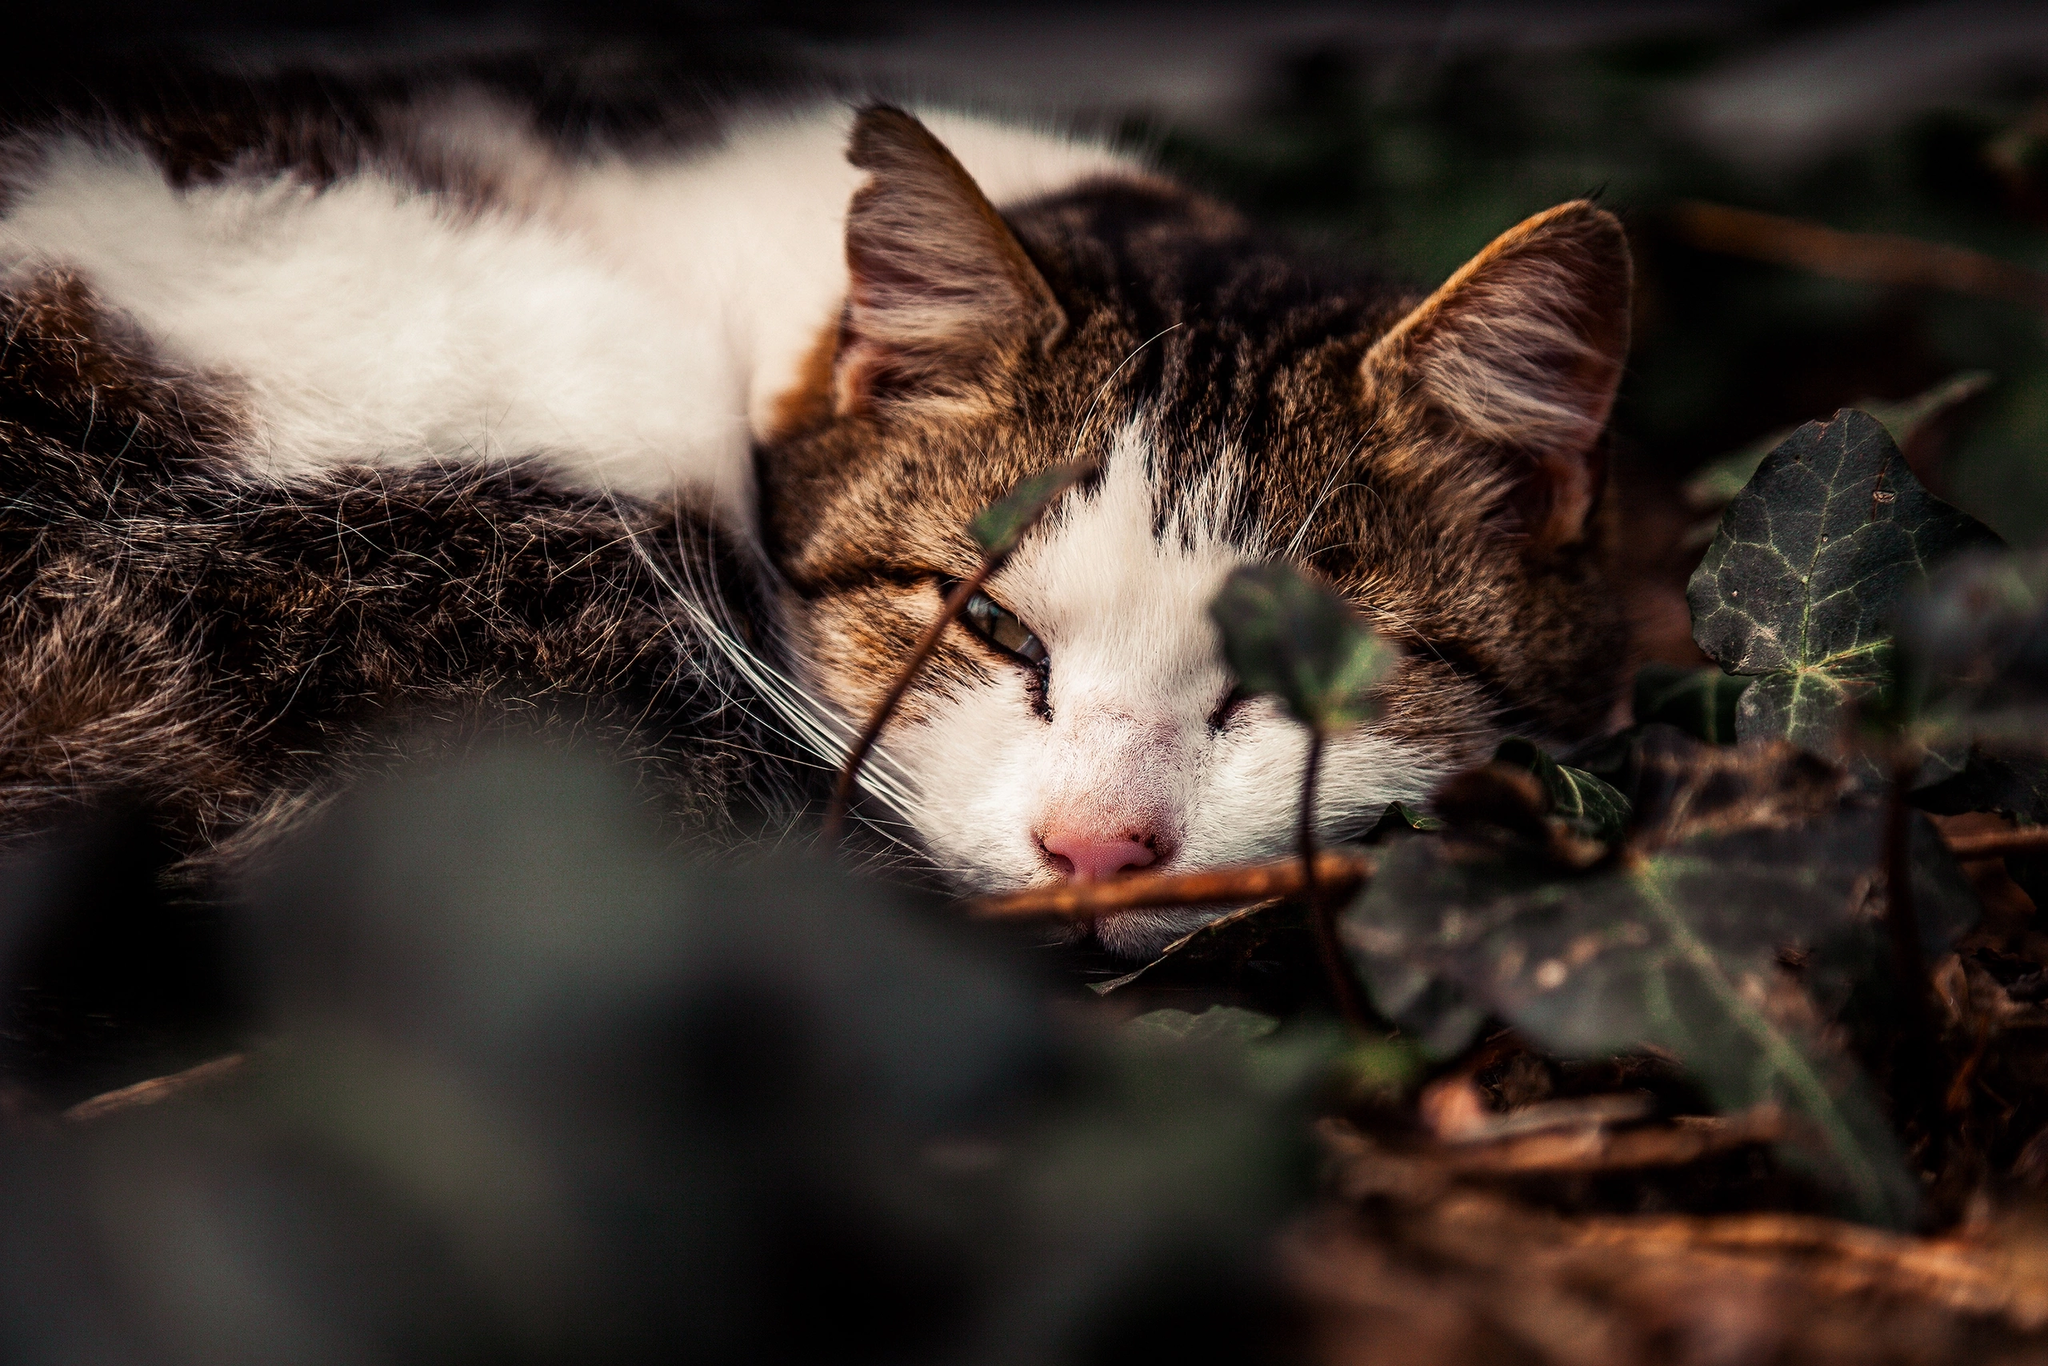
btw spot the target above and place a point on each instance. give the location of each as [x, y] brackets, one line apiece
[998, 527]
[1675, 948]
[1401, 819]
[1589, 806]
[1700, 702]
[1799, 587]
[1284, 633]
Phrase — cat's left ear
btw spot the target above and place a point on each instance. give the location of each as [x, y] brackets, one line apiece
[1522, 351]
[938, 284]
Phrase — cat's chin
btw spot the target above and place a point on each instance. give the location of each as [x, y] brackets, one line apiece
[1144, 935]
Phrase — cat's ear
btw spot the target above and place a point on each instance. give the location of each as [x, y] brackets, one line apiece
[1522, 351]
[938, 282]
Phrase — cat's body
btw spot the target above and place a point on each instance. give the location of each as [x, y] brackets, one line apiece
[313, 426]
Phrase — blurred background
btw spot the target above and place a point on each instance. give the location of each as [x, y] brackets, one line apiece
[1831, 205]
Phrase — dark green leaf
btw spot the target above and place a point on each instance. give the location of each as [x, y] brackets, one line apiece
[1588, 806]
[1812, 559]
[998, 527]
[1287, 634]
[1400, 818]
[1675, 948]
[1700, 702]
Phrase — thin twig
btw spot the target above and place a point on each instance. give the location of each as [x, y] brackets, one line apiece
[1871, 258]
[1338, 872]
[1594, 1148]
[156, 1089]
[849, 772]
[928, 644]
[1341, 871]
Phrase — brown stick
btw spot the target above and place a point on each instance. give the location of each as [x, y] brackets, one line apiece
[156, 1089]
[2030, 839]
[1871, 258]
[927, 644]
[1592, 1148]
[1337, 871]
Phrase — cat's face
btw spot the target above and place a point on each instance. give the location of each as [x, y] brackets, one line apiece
[1435, 462]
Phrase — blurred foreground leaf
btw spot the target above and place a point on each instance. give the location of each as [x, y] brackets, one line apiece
[1676, 950]
[1286, 634]
[1735, 853]
[1800, 585]
[998, 527]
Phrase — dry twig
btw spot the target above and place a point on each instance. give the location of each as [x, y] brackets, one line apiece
[2029, 839]
[1338, 872]
[1871, 258]
[156, 1089]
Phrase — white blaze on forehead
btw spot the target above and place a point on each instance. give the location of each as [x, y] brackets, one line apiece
[1125, 612]
[1136, 673]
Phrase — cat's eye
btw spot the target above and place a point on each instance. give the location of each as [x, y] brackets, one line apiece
[1002, 628]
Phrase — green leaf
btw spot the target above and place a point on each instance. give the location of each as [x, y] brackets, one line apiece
[1812, 559]
[1287, 634]
[1675, 949]
[1700, 702]
[1589, 806]
[998, 527]
[1399, 819]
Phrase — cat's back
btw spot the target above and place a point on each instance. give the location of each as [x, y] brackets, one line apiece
[446, 269]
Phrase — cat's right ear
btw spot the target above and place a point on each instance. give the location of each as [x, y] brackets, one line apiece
[938, 284]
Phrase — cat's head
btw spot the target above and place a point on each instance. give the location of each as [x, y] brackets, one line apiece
[1439, 460]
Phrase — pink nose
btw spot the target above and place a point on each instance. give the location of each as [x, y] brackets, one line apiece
[1089, 858]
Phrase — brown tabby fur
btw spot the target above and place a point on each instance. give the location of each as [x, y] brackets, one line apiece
[1307, 388]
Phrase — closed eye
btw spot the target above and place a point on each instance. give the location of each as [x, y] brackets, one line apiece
[1002, 628]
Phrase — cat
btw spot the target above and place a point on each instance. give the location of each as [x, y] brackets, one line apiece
[315, 416]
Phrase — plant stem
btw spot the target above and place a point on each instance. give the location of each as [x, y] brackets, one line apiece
[1322, 911]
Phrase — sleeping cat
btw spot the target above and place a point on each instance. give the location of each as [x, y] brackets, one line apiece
[314, 418]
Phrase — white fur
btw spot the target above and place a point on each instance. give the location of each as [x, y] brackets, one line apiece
[631, 322]
[1135, 675]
